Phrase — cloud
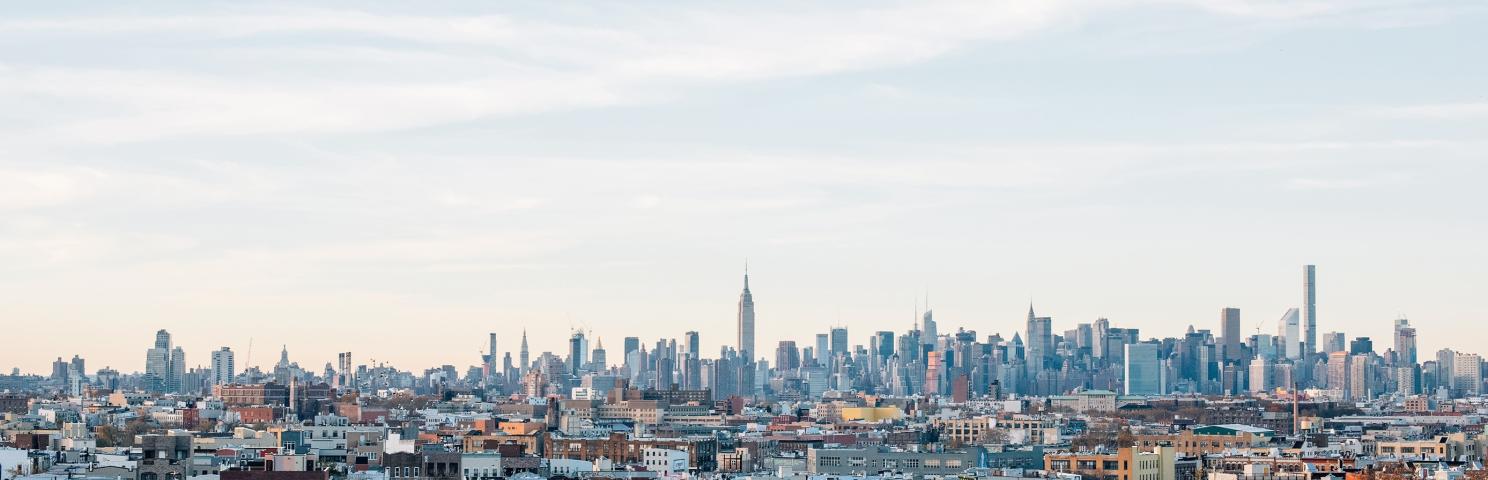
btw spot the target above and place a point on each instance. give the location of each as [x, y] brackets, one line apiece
[33, 188]
[1438, 111]
[314, 71]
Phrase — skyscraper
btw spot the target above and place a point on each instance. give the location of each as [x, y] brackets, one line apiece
[787, 357]
[692, 361]
[597, 358]
[1361, 377]
[930, 335]
[1229, 326]
[1467, 374]
[1405, 343]
[885, 344]
[746, 321]
[174, 382]
[1289, 329]
[1099, 335]
[524, 358]
[823, 347]
[1334, 342]
[1040, 340]
[1260, 375]
[1143, 372]
[223, 368]
[1309, 309]
[1339, 373]
[839, 341]
[578, 350]
[344, 374]
[160, 372]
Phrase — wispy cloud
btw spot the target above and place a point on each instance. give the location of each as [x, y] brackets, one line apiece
[472, 67]
[1439, 111]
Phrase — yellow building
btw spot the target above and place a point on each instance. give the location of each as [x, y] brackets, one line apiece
[871, 414]
[1125, 464]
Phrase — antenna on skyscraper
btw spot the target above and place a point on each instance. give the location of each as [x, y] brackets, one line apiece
[248, 362]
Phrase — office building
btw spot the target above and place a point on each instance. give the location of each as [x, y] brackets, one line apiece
[1229, 326]
[223, 368]
[745, 344]
[1143, 374]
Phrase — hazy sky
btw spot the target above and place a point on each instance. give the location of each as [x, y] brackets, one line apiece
[398, 179]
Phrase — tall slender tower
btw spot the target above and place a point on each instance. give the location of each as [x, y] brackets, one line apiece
[526, 361]
[746, 320]
[1309, 309]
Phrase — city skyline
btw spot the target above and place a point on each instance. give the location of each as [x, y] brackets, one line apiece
[473, 240]
[857, 337]
[282, 172]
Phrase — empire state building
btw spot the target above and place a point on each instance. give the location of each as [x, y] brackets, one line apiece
[746, 321]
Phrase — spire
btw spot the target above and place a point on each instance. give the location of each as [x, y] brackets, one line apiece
[746, 274]
[1030, 309]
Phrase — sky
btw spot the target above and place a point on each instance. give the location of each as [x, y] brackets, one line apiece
[397, 179]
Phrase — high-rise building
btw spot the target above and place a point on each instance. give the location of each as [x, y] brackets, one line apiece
[176, 380]
[1467, 374]
[158, 363]
[1289, 330]
[1405, 343]
[60, 369]
[491, 355]
[746, 321]
[1143, 373]
[930, 333]
[1040, 341]
[823, 347]
[1361, 345]
[1261, 379]
[578, 352]
[787, 357]
[524, 359]
[839, 341]
[223, 368]
[631, 344]
[1339, 373]
[597, 359]
[934, 373]
[1309, 309]
[692, 364]
[1100, 334]
[691, 344]
[1361, 377]
[1229, 326]
[345, 377]
[1334, 342]
[885, 344]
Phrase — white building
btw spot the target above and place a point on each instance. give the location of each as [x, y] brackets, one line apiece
[223, 368]
[480, 466]
[665, 460]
